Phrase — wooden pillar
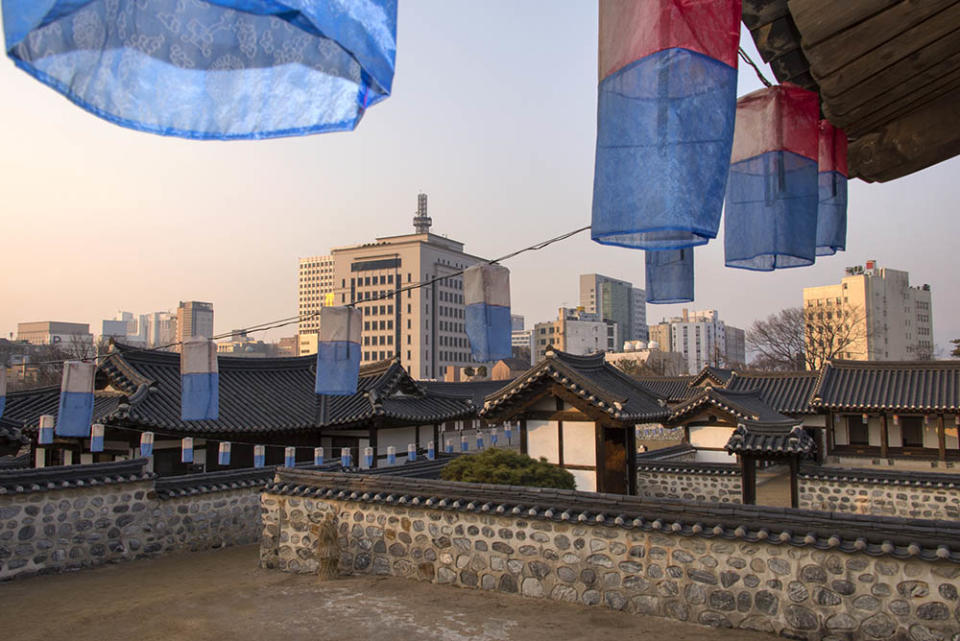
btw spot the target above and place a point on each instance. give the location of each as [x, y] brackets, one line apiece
[883, 435]
[748, 472]
[831, 434]
[631, 459]
[794, 489]
[941, 438]
[523, 436]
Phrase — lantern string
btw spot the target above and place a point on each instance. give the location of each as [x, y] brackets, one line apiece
[290, 320]
[746, 58]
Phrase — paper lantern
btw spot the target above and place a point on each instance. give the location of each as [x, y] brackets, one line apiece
[464, 443]
[896, 419]
[146, 444]
[338, 351]
[449, 446]
[411, 453]
[76, 399]
[186, 450]
[290, 457]
[479, 440]
[865, 418]
[259, 455]
[772, 193]
[318, 456]
[223, 455]
[669, 276]
[45, 430]
[431, 451]
[665, 120]
[832, 177]
[368, 457]
[96, 437]
[391, 455]
[199, 380]
[211, 69]
[508, 432]
[493, 437]
[486, 295]
[3, 387]
[345, 457]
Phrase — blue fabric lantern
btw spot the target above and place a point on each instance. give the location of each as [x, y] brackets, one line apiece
[199, 380]
[3, 387]
[479, 440]
[186, 450]
[772, 192]
[464, 443]
[669, 276]
[96, 437]
[76, 399]
[345, 458]
[223, 455]
[665, 119]
[391, 455]
[368, 457]
[146, 444]
[411, 453]
[508, 432]
[832, 177]
[259, 455]
[210, 69]
[45, 430]
[318, 456]
[338, 351]
[449, 446]
[486, 294]
[431, 451]
[290, 457]
[493, 437]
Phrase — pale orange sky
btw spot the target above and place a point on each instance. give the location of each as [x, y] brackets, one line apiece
[493, 115]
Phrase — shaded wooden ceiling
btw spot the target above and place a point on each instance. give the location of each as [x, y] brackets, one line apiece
[888, 73]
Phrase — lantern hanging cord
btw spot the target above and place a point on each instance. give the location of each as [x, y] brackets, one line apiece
[746, 58]
[290, 320]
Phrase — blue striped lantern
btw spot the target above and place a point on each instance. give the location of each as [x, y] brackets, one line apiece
[213, 69]
[96, 437]
[431, 451]
[45, 432]
[666, 105]
[411, 453]
[223, 455]
[76, 399]
[486, 295]
[479, 440]
[449, 446]
[345, 458]
[3, 387]
[508, 432]
[832, 180]
[199, 380]
[186, 449]
[493, 437]
[146, 444]
[338, 351]
[391, 455]
[259, 455]
[290, 457]
[464, 443]
[368, 457]
[318, 456]
[669, 276]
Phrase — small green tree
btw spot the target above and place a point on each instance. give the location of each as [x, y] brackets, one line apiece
[956, 348]
[506, 467]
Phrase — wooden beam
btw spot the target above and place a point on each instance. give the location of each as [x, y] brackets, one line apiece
[748, 479]
[884, 436]
[941, 438]
[756, 13]
[794, 489]
[819, 24]
[889, 113]
[776, 38]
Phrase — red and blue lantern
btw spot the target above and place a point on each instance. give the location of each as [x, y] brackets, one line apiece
[832, 177]
[669, 276]
[665, 120]
[76, 399]
[772, 192]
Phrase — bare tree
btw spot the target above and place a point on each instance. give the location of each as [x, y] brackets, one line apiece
[798, 338]
[778, 341]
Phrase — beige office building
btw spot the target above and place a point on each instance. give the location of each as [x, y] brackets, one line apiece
[315, 289]
[54, 333]
[576, 332]
[194, 318]
[894, 320]
[424, 326]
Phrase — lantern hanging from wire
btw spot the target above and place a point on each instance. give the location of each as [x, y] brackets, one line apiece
[146, 443]
[486, 296]
[771, 203]
[75, 412]
[832, 177]
[669, 276]
[3, 388]
[259, 455]
[665, 120]
[210, 69]
[338, 351]
[223, 454]
[96, 437]
[45, 430]
[186, 449]
[199, 380]
[290, 457]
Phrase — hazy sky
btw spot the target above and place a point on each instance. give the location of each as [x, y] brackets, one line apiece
[493, 115]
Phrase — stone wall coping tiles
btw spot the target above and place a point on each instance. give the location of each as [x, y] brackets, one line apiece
[912, 478]
[872, 535]
[70, 476]
[206, 482]
[688, 467]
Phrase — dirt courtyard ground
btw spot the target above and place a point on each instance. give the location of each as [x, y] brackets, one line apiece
[221, 594]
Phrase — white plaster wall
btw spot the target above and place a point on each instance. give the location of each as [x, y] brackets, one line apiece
[426, 435]
[542, 440]
[894, 436]
[399, 438]
[930, 437]
[950, 429]
[714, 456]
[579, 443]
[709, 436]
[840, 434]
[873, 431]
[586, 480]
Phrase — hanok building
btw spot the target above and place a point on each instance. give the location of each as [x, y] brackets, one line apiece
[580, 412]
[269, 401]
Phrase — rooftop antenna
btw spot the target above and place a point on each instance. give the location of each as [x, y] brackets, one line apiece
[422, 222]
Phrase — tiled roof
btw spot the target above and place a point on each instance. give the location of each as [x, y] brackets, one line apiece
[672, 388]
[25, 407]
[716, 375]
[786, 392]
[890, 386]
[752, 440]
[11, 436]
[594, 380]
[42, 479]
[476, 391]
[747, 408]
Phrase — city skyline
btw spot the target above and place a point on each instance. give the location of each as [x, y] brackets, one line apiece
[144, 221]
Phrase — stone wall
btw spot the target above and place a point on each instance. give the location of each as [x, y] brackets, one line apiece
[904, 494]
[836, 578]
[77, 516]
[710, 482]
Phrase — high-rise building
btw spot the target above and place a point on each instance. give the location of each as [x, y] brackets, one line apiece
[701, 337]
[55, 333]
[194, 318]
[315, 289]
[423, 326]
[575, 331]
[886, 318]
[618, 301]
[125, 328]
[516, 323]
[160, 328]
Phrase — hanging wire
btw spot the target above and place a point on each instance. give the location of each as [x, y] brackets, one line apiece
[290, 320]
[746, 58]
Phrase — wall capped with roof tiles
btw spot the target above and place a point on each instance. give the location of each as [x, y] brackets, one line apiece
[906, 497]
[690, 484]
